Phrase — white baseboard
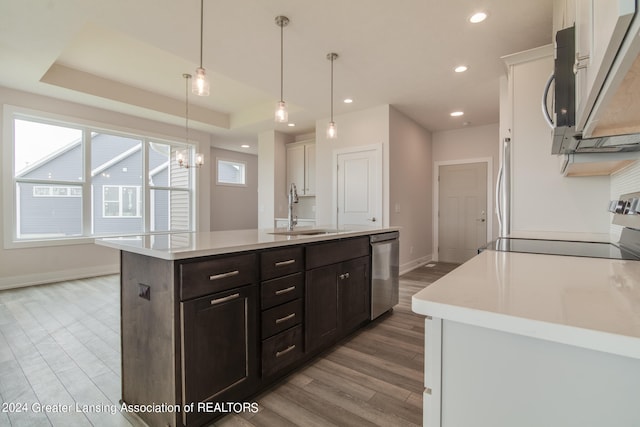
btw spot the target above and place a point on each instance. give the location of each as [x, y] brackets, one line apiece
[13, 282]
[412, 265]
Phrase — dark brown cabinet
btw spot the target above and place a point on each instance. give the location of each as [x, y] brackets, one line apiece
[219, 331]
[353, 295]
[321, 314]
[222, 328]
[336, 295]
[220, 347]
[282, 308]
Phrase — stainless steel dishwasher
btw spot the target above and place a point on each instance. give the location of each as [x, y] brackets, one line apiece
[385, 254]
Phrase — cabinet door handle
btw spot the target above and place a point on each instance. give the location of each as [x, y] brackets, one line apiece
[286, 290]
[287, 262]
[285, 318]
[224, 299]
[224, 275]
[285, 351]
[344, 276]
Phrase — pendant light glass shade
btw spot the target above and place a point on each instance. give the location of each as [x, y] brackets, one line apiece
[200, 84]
[183, 157]
[332, 129]
[281, 115]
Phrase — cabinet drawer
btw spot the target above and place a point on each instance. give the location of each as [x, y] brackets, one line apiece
[215, 275]
[278, 291]
[281, 350]
[281, 262]
[282, 317]
[333, 252]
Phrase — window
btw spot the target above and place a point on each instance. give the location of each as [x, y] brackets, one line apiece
[71, 180]
[231, 172]
[120, 201]
[56, 191]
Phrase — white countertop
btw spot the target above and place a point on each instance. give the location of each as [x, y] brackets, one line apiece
[174, 246]
[587, 302]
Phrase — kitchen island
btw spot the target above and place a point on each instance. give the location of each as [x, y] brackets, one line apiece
[210, 319]
[531, 340]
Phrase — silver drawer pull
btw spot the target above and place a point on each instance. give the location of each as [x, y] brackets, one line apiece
[286, 290]
[224, 299]
[224, 275]
[285, 351]
[287, 262]
[285, 318]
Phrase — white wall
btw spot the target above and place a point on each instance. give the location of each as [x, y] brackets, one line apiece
[26, 266]
[542, 199]
[407, 165]
[410, 188]
[360, 128]
[474, 142]
[272, 178]
[234, 207]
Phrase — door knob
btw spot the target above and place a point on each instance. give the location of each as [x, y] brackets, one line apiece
[372, 219]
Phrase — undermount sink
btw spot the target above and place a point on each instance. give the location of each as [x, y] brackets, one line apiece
[303, 232]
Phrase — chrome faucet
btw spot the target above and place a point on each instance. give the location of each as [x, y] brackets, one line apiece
[293, 198]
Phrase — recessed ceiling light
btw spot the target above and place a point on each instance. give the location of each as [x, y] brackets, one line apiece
[348, 101]
[457, 113]
[245, 146]
[478, 17]
[291, 125]
[460, 69]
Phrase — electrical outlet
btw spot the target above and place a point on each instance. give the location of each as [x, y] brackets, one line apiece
[144, 291]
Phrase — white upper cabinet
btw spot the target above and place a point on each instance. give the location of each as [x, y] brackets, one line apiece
[301, 167]
[601, 26]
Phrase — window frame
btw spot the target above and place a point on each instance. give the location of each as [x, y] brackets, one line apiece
[235, 162]
[10, 181]
[120, 188]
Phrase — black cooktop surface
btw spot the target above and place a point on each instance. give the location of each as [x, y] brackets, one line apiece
[562, 247]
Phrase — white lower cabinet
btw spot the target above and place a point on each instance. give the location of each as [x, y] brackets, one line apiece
[432, 372]
[482, 377]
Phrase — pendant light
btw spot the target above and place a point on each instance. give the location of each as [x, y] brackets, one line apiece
[201, 82]
[282, 116]
[332, 129]
[182, 156]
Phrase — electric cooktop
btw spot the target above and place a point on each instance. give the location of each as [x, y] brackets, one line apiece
[562, 247]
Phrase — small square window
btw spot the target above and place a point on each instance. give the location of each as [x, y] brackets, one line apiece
[231, 172]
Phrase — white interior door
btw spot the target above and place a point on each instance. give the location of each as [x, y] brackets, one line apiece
[462, 215]
[359, 188]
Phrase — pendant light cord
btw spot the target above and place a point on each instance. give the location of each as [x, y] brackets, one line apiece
[201, 28]
[186, 108]
[281, 61]
[332, 87]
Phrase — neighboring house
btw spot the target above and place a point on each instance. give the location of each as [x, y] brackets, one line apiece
[116, 189]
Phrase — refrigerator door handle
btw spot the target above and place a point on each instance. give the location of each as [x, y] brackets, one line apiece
[499, 194]
[545, 95]
[502, 189]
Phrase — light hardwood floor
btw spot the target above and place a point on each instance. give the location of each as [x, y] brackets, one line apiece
[60, 346]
